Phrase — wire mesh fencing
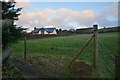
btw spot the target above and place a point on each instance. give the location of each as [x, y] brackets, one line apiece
[106, 62]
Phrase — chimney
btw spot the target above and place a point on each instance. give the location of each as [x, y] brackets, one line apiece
[34, 28]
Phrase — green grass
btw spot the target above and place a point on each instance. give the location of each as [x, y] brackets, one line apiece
[68, 46]
[109, 29]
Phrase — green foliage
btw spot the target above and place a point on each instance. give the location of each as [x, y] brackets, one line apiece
[9, 11]
[10, 33]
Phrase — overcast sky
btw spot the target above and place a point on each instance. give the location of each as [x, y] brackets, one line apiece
[67, 15]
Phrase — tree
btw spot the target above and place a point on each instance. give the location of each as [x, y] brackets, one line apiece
[57, 30]
[60, 30]
[10, 32]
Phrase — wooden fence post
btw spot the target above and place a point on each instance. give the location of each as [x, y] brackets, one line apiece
[25, 47]
[95, 57]
[81, 50]
[117, 64]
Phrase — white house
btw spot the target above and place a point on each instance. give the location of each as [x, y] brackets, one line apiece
[44, 31]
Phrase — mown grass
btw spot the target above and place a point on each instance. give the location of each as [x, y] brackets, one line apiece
[68, 46]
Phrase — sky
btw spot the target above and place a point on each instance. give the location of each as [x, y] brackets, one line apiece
[68, 15]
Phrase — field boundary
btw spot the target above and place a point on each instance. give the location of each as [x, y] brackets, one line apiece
[95, 55]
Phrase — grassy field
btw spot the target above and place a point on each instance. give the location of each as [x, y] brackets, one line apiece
[109, 29]
[68, 47]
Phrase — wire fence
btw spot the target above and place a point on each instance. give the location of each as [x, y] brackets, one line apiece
[106, 62]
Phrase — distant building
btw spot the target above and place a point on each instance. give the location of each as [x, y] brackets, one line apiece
[72, 30]
[64, 31]
[44, 31]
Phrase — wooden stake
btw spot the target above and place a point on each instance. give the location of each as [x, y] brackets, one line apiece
[25, 47]
[81, 50]
[95, 57]
[117, 64]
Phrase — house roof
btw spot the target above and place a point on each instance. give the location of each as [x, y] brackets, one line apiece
[34, 31]
[39, 28]
[50, 30]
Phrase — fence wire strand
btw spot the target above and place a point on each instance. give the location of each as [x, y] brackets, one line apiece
[106, 49]
[105, 59]
[106, 65]
[108, 58]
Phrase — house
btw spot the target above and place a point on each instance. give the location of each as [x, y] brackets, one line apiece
[71, 30]
[44, 31]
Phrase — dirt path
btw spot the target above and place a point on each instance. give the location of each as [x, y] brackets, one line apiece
[50, 67]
